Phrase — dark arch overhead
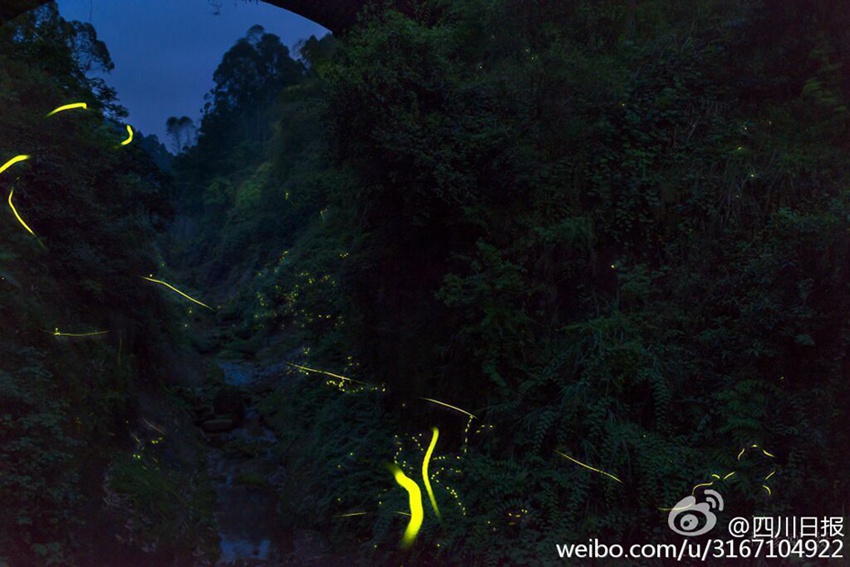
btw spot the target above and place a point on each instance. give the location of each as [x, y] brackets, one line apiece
[335, 15]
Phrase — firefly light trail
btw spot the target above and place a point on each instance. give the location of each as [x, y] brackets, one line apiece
[433, 401]
[325, 372]
[67, 107]
[609, 475]
[171, 287]
[57, 333]
[17, 216]
[425, 462]
[731, 474]
[13, 161]
[415, 501]
[130, 139]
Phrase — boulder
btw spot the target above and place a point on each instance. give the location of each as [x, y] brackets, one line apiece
[219, 425]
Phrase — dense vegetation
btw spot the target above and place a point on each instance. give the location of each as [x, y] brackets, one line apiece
[82, 335]
[615, 231]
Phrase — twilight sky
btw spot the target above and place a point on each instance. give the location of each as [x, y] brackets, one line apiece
[165, 51]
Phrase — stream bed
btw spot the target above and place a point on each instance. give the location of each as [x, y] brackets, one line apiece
[243, 466]
[246, 470]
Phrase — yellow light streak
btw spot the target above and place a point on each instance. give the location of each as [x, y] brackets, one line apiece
[700, 484]
[425, 462]
[350, 515]
[417, 513]
[13, 161]
[65, 107]
[770, 475]
[769, 493]
[728, 475]
[674, 508]
[325, 372]
[609, 475]
[433, 401]
[17, 216]
[768, 454]
[130, 138]
[152, 426]
[741, 453]
[171, 287]
[57, 333]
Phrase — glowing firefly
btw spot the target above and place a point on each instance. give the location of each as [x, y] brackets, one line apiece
[325, 372]
[425, 462]
[731, 474]
[130, 138]
[415, 502]
[433, 401]
[57, 333]
[609, 475]
[152, 426]
[171, 287]
[12, 162]
[65, 107]
[17, 216]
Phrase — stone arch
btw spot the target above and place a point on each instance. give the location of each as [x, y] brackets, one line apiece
[335, 15]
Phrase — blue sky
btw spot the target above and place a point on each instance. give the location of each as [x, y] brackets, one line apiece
[165, 51]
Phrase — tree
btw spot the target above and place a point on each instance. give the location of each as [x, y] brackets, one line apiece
[182, 132]
[50, 43]
[247, 80]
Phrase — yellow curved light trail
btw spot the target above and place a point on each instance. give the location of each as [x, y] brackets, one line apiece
[741, 453]
[325, 372]
[700, 484]
[17, 216]
[674, 508]
[425, 462]
[728, 475]
[768, 454]
[770, 475]
[13, 161]
[171, 287]
[152, 426]
[769, 493]
[417, 514]
[58, 333]
[433, 401]
[130, 139]
[609, 475]
[65, 107]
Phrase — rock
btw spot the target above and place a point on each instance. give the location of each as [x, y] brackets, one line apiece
[203, 413]
[219, 425]
[229, 401]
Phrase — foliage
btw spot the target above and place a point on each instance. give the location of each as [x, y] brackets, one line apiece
[94, 207]
[163, 509]
[623, 246]
[615, 231]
